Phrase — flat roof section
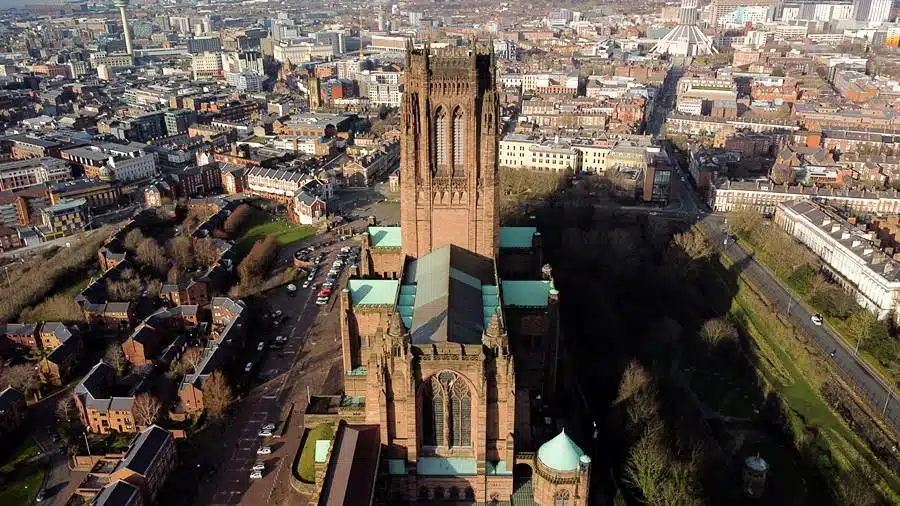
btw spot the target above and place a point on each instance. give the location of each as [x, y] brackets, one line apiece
[525, 293]
[517, 237]
[385, 237]
[373, 292]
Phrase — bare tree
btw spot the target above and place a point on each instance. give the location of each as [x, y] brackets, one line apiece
[133, 238]
[205, 251]
[647, 465]
[23, 378]
[152, 254]
[146, 409]
[192, 358]
[65, 408]
[860, 324]
[216, 396]
[718, 329]
[692, 244]
[237, 220]
[115, 358]
[182, 250]
[153, 288]
[633, 379]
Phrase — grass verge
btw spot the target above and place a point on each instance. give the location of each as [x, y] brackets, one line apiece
[20, 476]
[286, 232]
[306, 464]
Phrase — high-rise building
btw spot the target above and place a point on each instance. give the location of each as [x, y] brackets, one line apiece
[433, 338]
[204, 44]
[873, 11]
[244, 80]
[121, 4]
[686, 39]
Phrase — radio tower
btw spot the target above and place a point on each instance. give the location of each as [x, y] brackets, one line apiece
[121, 4]
[361, 57]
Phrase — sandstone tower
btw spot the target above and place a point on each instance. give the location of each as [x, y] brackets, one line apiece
[448, 148]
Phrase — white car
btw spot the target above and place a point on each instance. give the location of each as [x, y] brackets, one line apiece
[248, 367]
[265, 433]
[260, 346]
[264, 450]
[259, 466]
[280, 339]
[306, 284]
[255, 475]
[817, 319]
[321, 301]
[268, 426]
[278, 313]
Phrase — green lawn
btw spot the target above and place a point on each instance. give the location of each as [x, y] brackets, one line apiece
[306, 464]
[286, 232]
[20, 482]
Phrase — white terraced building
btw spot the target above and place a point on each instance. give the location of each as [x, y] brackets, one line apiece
[849, 254]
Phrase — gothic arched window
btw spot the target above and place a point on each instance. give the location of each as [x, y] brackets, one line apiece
[561, 498]
[440, 138]
[447, 411]
[459, 138]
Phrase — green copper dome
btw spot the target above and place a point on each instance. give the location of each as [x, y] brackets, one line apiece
[560, 453]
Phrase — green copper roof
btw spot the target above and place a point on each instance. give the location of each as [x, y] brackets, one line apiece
[518, 293]
[497, 468]
[560, 453]
[322, 447]
[374, 292]
[446, 466]
[396, 467]
[517, 237]
[385, 237]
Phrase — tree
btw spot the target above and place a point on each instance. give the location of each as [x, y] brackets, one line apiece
[190, 223]
[23, 378]
[216, 396]
[716, 330]
[744, 221]
[146, 409]
[65, 408]
[205, 251]
[59, 308]
[127, 287]
[192, 358]
[859, 325]
[153, 288]
[133, 238]
[633, 379]
[256, 263]
[692, 244]
[115, 358]
[153, 255]
[645, 469]
[182, 250]
[237, 220]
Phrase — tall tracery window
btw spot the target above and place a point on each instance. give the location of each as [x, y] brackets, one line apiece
[440, 138]
[447, 411]
[459, 138]
[561, 498]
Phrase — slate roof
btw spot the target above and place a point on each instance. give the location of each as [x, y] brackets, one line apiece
[448, 299]
[118, 493]
[145, 449]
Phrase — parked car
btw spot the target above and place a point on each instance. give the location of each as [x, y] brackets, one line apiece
[817, 319]
[260, 346]
[265, 433]
[280, 339]
[306, 284]
[321, 301]
[264, 450]
[255, 475]
[268, 426]
[248, 367]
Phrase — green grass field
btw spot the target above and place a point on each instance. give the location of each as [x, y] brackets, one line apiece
[20, 482]
[285, 231]
[306, 465]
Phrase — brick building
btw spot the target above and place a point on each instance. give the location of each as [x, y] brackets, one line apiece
[103, 405]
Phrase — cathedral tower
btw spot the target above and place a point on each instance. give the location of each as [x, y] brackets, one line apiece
[448, 149]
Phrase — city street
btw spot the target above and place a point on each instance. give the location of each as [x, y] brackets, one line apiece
[308, 363]
[869, 384]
